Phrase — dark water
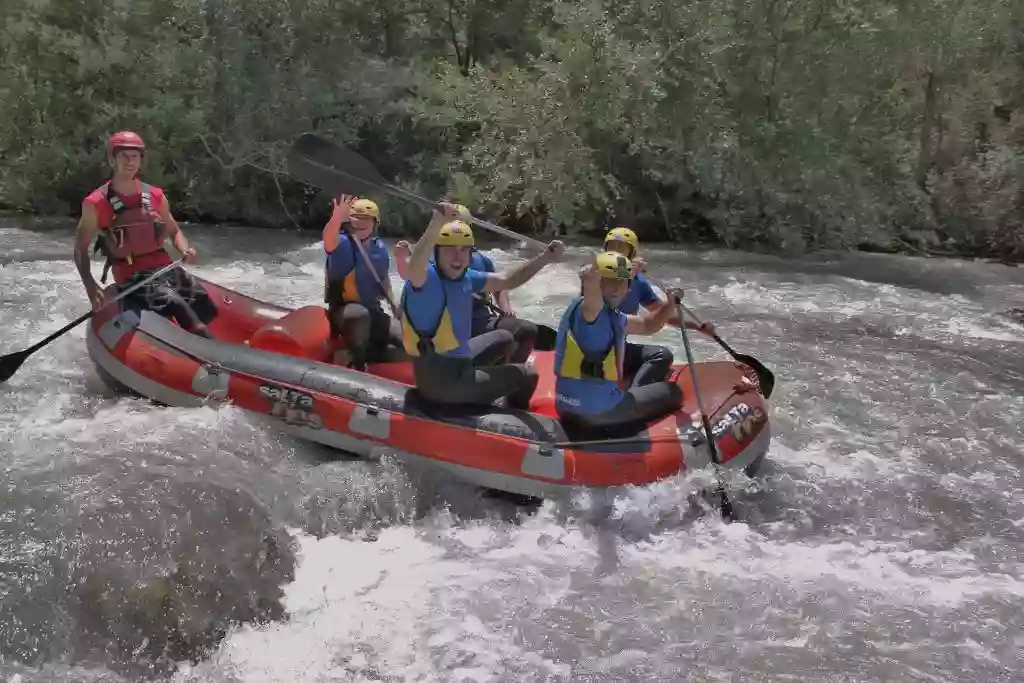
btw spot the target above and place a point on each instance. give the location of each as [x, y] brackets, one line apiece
[884, 541]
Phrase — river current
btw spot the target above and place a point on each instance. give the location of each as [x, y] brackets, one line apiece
[881, 542]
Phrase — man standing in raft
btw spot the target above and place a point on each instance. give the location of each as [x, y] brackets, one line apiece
[647, 363]
[356, 289]
[437, 307]
[490, 311]
[132, 220]
[590, 351]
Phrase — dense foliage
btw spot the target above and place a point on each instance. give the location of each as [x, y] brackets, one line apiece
[788, 123]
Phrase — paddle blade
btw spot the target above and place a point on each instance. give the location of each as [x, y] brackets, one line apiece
[307, 163]
[10, 363]
[331, 164]
[765, 377]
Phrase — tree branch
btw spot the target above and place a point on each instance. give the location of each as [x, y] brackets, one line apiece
[242, 161]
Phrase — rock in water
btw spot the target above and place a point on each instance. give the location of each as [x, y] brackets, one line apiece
[143, 572]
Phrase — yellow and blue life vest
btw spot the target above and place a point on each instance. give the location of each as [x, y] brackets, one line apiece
[588, 360]
[437, 316]
[482, 303]
[349, 278]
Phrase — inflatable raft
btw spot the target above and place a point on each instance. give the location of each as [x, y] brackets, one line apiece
[276, 362]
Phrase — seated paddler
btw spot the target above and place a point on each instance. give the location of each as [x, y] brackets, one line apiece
[590, 352]
[449, 364]
[490, 311]
[358, 286]
[645, 363]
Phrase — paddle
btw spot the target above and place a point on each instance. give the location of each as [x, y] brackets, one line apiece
[766, 378]
[373, 272]
[320, 162]
[726, 504]
[10, 363]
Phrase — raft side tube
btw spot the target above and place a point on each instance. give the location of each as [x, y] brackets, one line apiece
[352, 385]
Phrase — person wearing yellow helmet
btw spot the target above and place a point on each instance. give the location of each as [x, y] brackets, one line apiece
[450, 365]
[590, 352]
[646, 363]
[490, 311]
[357, 283]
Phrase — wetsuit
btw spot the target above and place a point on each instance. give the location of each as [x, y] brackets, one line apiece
[449, 365]
[487, 317]
[355, 300]
[589, 360]
[645, 363]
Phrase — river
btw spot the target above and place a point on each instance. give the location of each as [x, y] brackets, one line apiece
[882, 542]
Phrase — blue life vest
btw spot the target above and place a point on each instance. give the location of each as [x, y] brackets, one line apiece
[640, 293]
[481, 311]
[588, 360]
[349, 279]
[437, 315]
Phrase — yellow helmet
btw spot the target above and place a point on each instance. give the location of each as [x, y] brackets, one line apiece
[366, 208]
[623, 235]
[614, 266]
[456, 234]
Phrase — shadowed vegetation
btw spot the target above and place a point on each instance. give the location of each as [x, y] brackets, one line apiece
[783, 124]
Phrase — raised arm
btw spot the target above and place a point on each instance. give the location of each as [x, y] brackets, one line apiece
[402, 253]
[593, 300]
[419, 260]
[650, 324]
[332, 230]
[521, 274]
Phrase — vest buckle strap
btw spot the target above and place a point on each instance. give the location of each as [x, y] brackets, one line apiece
[425, 345]
[592, 369]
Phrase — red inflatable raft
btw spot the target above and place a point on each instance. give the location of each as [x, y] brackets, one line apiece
[275, 361]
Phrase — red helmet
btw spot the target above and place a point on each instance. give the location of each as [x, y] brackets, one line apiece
[124, 139]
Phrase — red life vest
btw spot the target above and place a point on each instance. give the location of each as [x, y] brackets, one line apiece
[135, 231]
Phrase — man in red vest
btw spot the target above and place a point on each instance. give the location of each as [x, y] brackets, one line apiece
[131, 220]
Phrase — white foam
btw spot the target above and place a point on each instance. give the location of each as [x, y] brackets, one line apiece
[558, 598]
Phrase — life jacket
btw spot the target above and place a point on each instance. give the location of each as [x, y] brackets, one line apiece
[484, 303]
[639, 294]
[587, 379]
[134, 232]
[350, 279]
[449, 334]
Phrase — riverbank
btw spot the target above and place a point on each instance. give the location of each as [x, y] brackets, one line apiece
[918, 244]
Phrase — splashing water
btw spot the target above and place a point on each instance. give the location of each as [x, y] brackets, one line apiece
[883, 541]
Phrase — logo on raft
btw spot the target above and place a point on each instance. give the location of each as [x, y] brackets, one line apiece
[568, 400]
[741, 421]
[292, 407]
